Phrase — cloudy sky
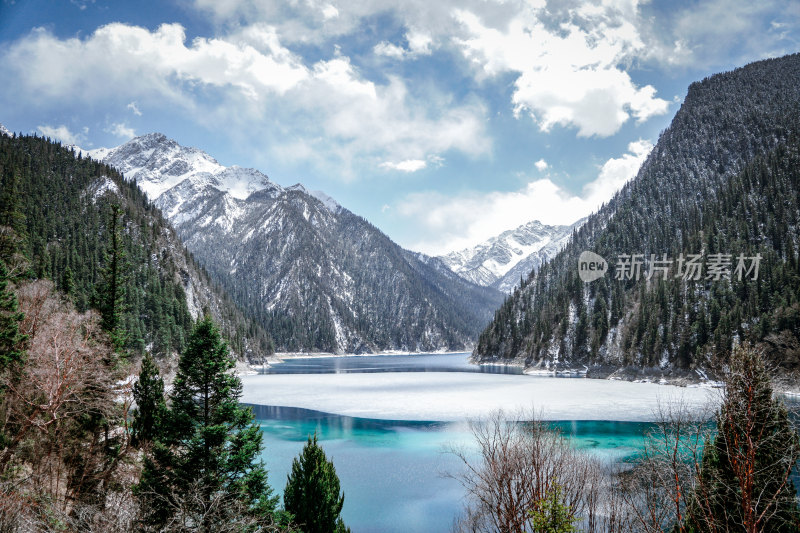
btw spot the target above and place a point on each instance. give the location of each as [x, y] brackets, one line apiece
[442, 122]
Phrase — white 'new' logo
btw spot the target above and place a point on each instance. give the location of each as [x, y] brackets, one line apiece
[591, 266]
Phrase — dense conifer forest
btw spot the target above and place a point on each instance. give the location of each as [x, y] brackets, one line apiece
[61, 207]
[723, 179]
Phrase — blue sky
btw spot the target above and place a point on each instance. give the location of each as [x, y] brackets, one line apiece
[443, 123]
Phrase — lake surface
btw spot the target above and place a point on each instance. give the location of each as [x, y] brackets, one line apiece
[393, 472]
[387, 363]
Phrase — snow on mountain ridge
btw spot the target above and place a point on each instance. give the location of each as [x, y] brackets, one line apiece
[500, 261]
[5, 131]
[159, 164]
[317, 276]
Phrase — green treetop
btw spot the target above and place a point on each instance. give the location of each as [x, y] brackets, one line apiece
[312, 494]
[204, 471]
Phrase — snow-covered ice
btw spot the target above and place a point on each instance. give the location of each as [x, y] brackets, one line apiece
[446, 396]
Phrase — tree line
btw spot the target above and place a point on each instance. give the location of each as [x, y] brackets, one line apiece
[58, 213]
[723, 179]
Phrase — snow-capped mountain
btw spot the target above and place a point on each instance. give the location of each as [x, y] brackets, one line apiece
[4, 131]
[318, 277]
[159, 164]
[501, 261]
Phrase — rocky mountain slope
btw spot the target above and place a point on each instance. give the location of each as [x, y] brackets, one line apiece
[502, 261]
[315, 275]
[720, 188]
[63, 205]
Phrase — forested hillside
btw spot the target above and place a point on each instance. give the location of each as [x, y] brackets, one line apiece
[315, 275]
[723, 179]
[57, 208]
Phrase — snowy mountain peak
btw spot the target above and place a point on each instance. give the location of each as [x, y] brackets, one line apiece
[4, 131]
[502, 260]
[159, 164]
[317, 276]
[329, 203]
[332, 205]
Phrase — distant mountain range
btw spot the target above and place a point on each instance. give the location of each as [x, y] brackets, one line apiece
[502, 261]
[315, 275]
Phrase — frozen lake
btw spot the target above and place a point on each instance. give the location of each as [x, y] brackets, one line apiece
[448, 395]
[385, 421]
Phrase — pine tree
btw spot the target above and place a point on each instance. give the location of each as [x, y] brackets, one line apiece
[203, 471]
[148, 392]
[312, 494]
[744, 482]
[113, 296]
[11, 340]
[552, 515]
[13, 235]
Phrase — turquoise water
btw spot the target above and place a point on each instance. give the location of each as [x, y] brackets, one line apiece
[395, 473]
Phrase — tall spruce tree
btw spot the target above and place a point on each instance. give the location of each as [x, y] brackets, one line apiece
[11, 340]
[745, 478]
[13, 234]
[112, 299]
[312, 494]
[151, 408]
[203, 471]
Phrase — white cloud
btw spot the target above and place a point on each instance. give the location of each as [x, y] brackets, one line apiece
[326, 110]
[409, 165]
[330, 12]
[119, 129]
[62, 133]
[456, 222]
[541, 165]
[604, 38]
[419, 44]
[387, 49]
[134, 61]
[615, 173]
[570, 61]
[570, 75]
[134, 108]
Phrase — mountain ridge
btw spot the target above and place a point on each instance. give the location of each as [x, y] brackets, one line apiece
[721, 179]
[501, 261]
[66, 201]
[315, 275]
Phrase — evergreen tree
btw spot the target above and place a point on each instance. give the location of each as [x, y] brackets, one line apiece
[113, 298]
[312, 494]
[744, 482]
[12, 220]
[148, 392]
[552, 514]
[203, 471]
[11, 340]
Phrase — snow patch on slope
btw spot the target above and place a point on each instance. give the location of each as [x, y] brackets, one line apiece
[102, 186]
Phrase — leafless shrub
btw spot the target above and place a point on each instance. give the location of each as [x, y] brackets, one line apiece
[653, 496]
[519, 462]
[63, 415]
